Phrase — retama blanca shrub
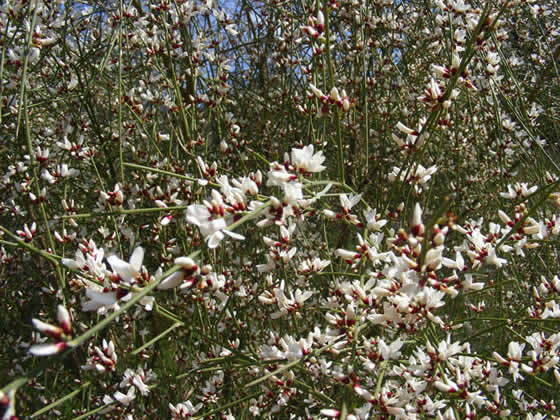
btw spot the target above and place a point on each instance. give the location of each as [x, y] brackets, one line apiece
[280, 209]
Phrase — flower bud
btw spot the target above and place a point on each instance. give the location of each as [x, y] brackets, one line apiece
[47, 349]
[47, 329]
[320, 21]
[335, 96]
[64, 319]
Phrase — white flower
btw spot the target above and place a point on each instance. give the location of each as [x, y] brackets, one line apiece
[127, 398]
[137, 379]
[184, 410]
[518, 190]
[99, 300]
[372, 220]
[515, 351]
[293, 193]
[128, 271]
[188, 271]
[349, 201]
[212, 229]
[418, 177]
[314, 265]
[391, 351]
[458, 263]
[305, 160]
[293, 349]
[492, 258]
[91, 262]
[279, 175]
[247, 185]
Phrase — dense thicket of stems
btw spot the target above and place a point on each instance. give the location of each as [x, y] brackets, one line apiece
[237, 209]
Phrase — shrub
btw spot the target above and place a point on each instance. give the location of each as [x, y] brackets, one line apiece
[341, 209]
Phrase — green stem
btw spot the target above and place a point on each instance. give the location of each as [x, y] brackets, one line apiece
[330, 72]
[61, 400]
[120, 95]
[163, 172]
[157, 338]
[123, 211]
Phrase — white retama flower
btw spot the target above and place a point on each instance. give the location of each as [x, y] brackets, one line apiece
[127, 398]
[184, 409]
[99, 299]
[418, 177]
[212, 229]
[306, 161]
[188, 271]
[128, 271]
[88, 259]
